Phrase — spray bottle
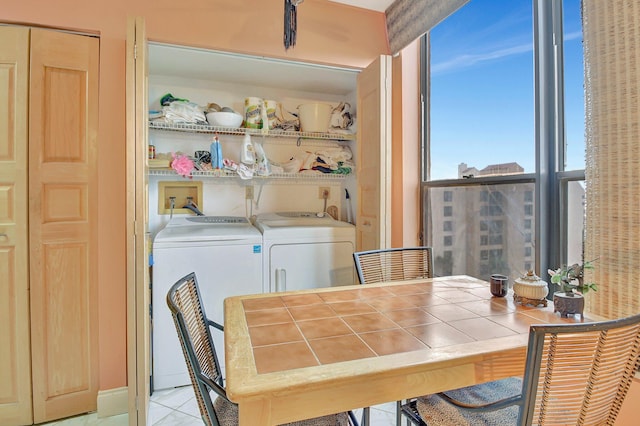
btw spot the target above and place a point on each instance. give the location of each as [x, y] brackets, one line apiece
[248, 154]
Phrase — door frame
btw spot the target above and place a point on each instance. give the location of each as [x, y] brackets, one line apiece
[138, 244]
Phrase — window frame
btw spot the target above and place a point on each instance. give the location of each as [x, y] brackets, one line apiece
[550, 179]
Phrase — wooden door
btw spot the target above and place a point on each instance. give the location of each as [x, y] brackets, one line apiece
[138, 297]
[63, 124]
[15, 353]
[373, 213]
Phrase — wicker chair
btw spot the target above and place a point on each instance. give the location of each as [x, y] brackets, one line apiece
[396, 264]
[576, 374]
[193, 329]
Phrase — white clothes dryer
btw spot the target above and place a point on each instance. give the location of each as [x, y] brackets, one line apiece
[225, 252]
[305, 250]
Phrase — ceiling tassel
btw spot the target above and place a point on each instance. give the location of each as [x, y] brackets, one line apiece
[290, 22]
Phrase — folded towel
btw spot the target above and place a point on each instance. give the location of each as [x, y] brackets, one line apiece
[183, 112]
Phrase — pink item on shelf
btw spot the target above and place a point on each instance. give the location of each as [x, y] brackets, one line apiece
[182, 164]
[229, 165]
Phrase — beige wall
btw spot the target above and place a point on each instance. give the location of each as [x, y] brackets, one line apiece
[327, 33]
[411, 143]
[405, 191]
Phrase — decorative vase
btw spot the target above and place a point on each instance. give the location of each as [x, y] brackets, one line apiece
[530, 290]
[568, 304]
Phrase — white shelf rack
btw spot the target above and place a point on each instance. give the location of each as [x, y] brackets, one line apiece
[203, 128]
[231, 175]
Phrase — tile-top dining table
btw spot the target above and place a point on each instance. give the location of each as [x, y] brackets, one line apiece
[303, 354]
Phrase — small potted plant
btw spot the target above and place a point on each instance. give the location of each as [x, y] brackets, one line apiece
[571, 281]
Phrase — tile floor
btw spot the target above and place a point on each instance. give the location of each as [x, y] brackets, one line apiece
[178, 406]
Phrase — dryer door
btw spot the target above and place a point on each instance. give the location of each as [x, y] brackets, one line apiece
[312, 265]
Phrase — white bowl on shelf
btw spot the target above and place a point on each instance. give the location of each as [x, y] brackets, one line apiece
[224, 119]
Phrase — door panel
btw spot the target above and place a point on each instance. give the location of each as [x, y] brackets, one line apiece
[62, 220]
[15, 353]
[373, 224]
[138, 297]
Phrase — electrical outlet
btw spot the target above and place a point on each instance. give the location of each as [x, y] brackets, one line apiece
[324, 192]
[248, 192]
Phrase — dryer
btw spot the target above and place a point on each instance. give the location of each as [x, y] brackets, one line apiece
[305, 250]
[225, 252]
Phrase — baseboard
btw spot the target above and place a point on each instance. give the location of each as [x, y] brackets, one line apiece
[113, 402]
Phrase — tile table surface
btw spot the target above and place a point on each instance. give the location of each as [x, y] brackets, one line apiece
[300, 330]
[288, 354]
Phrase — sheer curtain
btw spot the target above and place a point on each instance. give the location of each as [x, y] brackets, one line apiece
[612, 83]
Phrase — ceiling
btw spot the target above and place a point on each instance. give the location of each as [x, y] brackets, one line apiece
[379, 5]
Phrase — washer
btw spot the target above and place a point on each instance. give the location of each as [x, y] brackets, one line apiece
[225, 252]
[305, 250]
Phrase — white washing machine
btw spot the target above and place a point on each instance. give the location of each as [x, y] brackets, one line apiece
[225, 252]
[303, 250]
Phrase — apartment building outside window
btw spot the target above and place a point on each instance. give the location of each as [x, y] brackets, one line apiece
[491, 204]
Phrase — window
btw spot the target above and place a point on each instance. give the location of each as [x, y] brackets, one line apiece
[495, 240]
[528, 209]
[496, 255]
[484, 270]
[482, 68]
[495, 211]
[448, 241]
[480, 233]
[446, 262]
[496, 198]
[495, 226]
[481, 74]
[573, 86]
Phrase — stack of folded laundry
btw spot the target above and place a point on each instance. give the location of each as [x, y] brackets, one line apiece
[336, 160]
[176, 110]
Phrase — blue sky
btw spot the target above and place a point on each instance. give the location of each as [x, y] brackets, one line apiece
[482, 87]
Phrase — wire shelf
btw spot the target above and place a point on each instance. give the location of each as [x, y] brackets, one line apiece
[277, 176]
[203, 128]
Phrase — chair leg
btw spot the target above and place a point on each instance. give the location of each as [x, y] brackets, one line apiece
[352, 419]
[366, 416]
[399, 413]
[412, 415]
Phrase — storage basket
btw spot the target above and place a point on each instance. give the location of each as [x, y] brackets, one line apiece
[314, 117]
